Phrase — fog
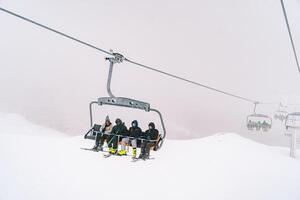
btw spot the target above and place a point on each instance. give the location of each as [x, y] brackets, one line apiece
[241, 47]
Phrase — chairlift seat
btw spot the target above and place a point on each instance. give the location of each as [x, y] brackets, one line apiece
[293, 121]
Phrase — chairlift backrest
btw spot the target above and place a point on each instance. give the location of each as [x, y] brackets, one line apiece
[292, 121]
[259, 117]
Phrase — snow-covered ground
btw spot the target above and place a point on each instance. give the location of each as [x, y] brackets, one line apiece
[38, 163]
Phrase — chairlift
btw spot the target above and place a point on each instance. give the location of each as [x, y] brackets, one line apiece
[292, 121]
[122, 102]
[280, 113]
[257, 122]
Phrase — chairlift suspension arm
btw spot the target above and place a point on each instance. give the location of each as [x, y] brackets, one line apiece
[91, 112]
[111, 66]
[255, 105]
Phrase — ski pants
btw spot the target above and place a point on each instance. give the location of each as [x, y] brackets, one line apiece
[100, 139]
[112, 141]
[145, 147]
[126, 141]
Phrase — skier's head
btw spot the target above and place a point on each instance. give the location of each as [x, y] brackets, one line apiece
[107, 120]
[151, 125]
[118, 121]
[134, 123]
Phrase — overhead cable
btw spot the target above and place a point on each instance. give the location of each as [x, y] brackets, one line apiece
[130, 61]
[290, 34]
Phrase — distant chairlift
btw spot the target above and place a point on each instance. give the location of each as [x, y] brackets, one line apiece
[280, 113]
[122, 102]
[257, 122]
[292, 122]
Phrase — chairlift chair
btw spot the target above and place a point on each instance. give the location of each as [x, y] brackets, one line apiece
[280, 113]
[292, 121]
[258, 122]
[121, 102]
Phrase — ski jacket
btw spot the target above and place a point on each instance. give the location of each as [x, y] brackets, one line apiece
[106, 128]
[151, 134]
[135, 132]
[120, 129]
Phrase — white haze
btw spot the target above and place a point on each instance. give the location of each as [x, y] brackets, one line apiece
[238, 46]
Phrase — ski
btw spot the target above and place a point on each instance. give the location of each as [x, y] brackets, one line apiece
[89, 149]
[92, 149]
[139, 159]
[107, 155]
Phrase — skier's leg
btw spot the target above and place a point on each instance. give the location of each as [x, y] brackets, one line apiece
[124, 142]
[143, 147]
[103, 138]
[115, 142]
[123, 146]
[134, 146]
[98, 136]
[112, 144]
[147, 149]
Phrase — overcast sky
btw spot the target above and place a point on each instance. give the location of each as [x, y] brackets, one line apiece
[241, 47]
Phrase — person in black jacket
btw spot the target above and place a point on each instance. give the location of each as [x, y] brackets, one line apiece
[118, 129]
[134, 132]
[151, 136]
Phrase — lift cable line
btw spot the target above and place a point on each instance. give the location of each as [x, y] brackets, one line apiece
[119, 56]
[55, 31]
[290, 34]
[192, 82]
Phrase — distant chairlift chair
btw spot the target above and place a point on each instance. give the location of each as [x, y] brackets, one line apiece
[258, 122]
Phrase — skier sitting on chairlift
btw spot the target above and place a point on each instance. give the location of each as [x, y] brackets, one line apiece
[101, 136]
[258, 125]
[134, 131]
[118, 129]
[150, 134]
[250, 125]
[265, 126]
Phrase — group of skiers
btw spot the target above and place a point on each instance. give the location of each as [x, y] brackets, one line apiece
[133, 136]
[258, 125]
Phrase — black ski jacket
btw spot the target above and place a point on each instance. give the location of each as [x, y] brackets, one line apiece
[151, 134]
[135, 132]
[120, 129]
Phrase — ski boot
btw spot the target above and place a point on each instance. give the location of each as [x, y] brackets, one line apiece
[134, 153]
[122, 153]
[95, 148]
[100, 148]
[141, 156]
[112, 150]
[146, 156]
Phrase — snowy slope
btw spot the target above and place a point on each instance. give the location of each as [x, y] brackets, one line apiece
[38, 163]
